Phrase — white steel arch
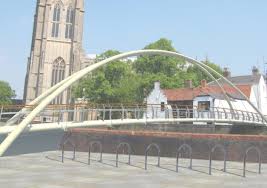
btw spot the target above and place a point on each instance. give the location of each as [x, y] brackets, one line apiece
[59, 88]
[202, 67]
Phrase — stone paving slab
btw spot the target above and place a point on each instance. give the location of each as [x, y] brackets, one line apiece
[45, 170]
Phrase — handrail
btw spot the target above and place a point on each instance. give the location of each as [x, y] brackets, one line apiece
[95, 105]
[138, 112]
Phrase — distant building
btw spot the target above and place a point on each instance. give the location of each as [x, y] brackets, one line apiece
[208, 96]
[256, 84]
[90, 59]
[56, 50]
[17, 102]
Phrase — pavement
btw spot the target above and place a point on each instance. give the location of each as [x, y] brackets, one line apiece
[45, 170]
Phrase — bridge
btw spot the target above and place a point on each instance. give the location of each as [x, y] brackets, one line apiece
[84, 115]
[25, 119]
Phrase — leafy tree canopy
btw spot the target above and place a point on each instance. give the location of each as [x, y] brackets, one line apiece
[198, 75]
[6, 93]
[157, 64]
[107, 54]
[113, 83]
[124, 82]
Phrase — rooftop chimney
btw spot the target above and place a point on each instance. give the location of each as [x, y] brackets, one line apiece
[255, 71]
[203, 83]
[188, 84]
[157, 85]
[226, 72]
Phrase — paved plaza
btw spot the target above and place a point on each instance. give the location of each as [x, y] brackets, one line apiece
[45, 170]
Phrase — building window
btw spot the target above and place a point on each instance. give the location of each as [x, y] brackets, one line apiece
[56, 21]
[204, 105]
[162, 106]
[58, 74]
[69, 23]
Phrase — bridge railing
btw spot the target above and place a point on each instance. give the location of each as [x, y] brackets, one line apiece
[82, 112]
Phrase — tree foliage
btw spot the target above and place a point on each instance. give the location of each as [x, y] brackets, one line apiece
[113, 83]
[129, 82]
[156, 64]
[198, 75]
[6, 93]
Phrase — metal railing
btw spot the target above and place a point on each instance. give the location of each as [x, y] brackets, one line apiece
[82, 112]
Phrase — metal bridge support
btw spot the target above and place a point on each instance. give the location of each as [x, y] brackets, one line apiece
[224, 158]
[1, 112]
[148, 149]
[122, 112]
[110, 112]
[245, 159]
[129, 152]
[184, 146]
[104, 113]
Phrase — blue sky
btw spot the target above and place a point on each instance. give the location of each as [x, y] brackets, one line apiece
[231, 33]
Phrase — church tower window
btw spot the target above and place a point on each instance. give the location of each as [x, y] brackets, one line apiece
[69, 23]
[58, 74]
[56, 21]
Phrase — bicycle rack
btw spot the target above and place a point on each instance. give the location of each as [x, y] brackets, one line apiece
[148, 149]
[224, 159]
[184, 146]
[91, 144]
[245, 159]
[63, 150]
[129, 152]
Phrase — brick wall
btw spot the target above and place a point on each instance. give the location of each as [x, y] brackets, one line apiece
[235, 145]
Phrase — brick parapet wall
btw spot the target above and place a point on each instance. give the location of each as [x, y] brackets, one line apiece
[236, 145]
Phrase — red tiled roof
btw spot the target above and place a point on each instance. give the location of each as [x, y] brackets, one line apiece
[188, 94]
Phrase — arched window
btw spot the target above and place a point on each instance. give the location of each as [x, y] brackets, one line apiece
[56, 21]
[69, 23]
[58, 74]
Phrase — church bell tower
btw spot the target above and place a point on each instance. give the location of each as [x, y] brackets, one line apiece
[56, 50]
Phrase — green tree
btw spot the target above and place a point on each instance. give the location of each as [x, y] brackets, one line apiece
[113, 83]
[197, 75]
[107, 54]
[168, 70]
[125, 82]
[6, 93]
[156, 64]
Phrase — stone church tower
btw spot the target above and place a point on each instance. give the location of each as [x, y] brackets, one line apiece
[56, 50]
